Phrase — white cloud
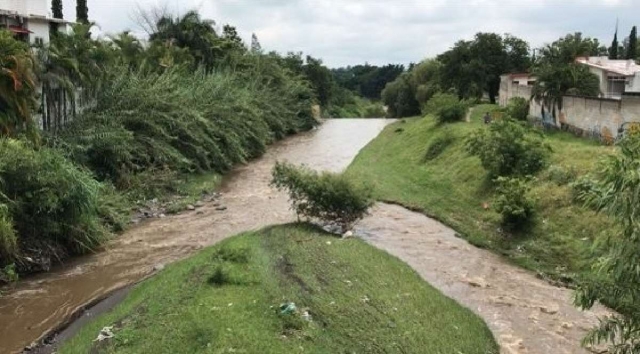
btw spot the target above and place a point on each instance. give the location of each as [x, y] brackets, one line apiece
[381, 31]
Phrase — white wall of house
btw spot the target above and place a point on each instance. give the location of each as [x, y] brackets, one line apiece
[39, 30]
[26, 7]
[602, 76]
[633, 85]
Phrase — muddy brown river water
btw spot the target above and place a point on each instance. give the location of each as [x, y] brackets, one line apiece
[526, 314]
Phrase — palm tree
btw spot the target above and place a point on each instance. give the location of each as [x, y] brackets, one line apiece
[556, 81]
[17, 87]
[129, 47]
[71, 66]
[192, 32]
[59, 74]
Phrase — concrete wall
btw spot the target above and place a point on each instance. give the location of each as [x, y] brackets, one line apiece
[634, 84]
[26, 7]
[40, 29]
[602, 76]
[582, 115]
[592, 116]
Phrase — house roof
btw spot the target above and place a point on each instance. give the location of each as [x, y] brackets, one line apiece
[528, 76]
[620, 67]
[33, 17]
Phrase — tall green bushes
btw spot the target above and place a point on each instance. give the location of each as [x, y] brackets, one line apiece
[518, 108]
[509, 148]
[447, 108]
[49, 207]
[615, 191]
[510, 151]
[512, 202]
[17, 87]
[185, 122]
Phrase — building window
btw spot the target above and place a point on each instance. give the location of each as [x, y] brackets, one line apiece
[615, 87]
[39, 41]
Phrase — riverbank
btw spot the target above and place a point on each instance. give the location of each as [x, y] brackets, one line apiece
[348, 297]
[453, 187]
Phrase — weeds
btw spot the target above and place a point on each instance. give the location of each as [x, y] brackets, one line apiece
[438, 145]
[219, 277]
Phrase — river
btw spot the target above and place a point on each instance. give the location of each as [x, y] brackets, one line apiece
[526, 314]
[41, 303]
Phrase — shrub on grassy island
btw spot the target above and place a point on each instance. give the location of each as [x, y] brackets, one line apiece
[331, 198]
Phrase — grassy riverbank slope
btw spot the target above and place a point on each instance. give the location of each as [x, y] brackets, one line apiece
[227, 299]
[453, 187]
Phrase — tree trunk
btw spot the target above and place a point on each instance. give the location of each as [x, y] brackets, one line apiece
[48, 114]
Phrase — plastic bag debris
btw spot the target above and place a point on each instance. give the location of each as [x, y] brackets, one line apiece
[288, 308]
[105, 333]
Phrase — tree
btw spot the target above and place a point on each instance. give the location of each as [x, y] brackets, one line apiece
[613, 51]
[490, 61]
[559, 75]
[400, 97]
[456, 71]
[17, 87]
[321, 79]
[82, 12]
[233, 40]
[56, 9]
[616, 192]
[255, 44]
[59, 75]
[474, 67]
[518, 58]
[129, 47]
[632, 48]
[568, 48]
[425, 80]
[556, 81]
[193, 33]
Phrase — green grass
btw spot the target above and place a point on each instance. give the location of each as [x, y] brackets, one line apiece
[453, 187]
[226, 300]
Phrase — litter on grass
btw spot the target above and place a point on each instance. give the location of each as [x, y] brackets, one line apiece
[105, 333]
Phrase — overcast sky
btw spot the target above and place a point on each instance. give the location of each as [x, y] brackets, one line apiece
[344, 32]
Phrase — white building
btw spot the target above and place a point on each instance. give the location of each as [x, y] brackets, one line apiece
[29, 20]
[521, 79]
[617, 77]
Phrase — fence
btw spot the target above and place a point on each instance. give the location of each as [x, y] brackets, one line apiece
[601, 118]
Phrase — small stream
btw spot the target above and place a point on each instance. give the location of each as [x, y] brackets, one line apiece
[39, 304]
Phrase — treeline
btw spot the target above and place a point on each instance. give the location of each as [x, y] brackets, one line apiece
[124, 120]
[471, 71]
[349, 92]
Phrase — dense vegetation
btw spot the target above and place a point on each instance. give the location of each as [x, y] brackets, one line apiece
[367, 80]
[288, 289]
[125, 121]
[614, 191]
